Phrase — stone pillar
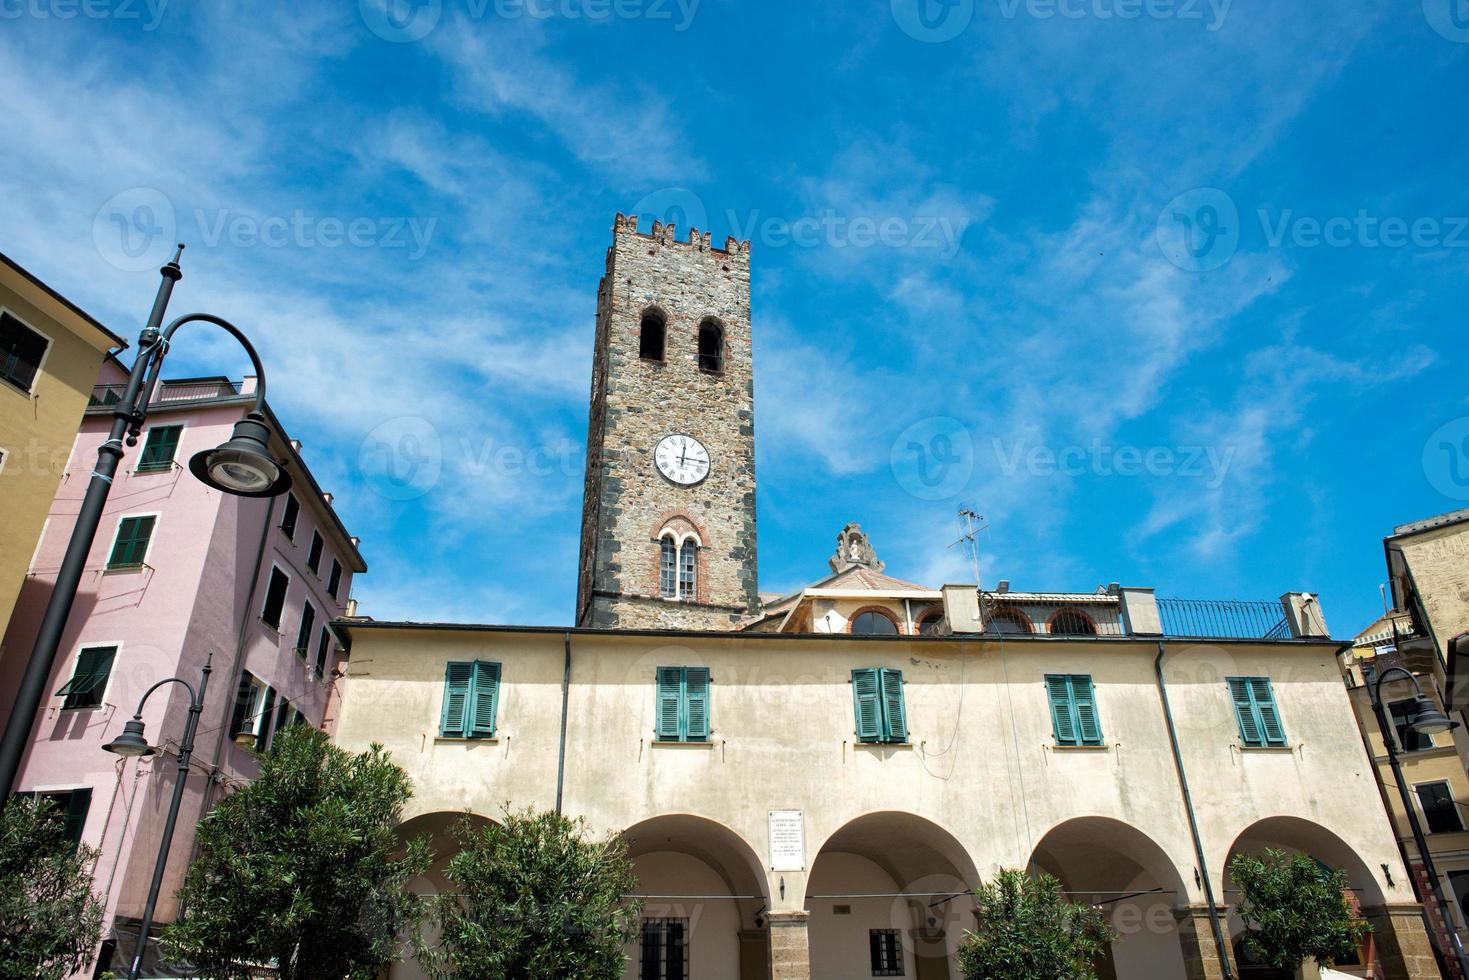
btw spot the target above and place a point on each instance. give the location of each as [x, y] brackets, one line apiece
[790, 947]
[754, 954]
[1196, 937]
[1403, 949]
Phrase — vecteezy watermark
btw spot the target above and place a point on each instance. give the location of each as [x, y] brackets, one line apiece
[1207, 463]
[1199, 230]
[1450, 18]
[148, 12]
[1212, 13]
[405, 21]
[830, 228]
[401, 459]
[933, 21]
[136, 229]
[302, 230]
[404, 458]
[933, 458]
[1446, 459]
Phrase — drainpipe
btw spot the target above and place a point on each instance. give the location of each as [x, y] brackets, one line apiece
[234, 669]
[565, 695]
[1193, 823]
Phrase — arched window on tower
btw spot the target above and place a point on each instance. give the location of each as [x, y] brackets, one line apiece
[1071, 622]
[711, 347]
[652, 335]
[688, 570]
[668, 569]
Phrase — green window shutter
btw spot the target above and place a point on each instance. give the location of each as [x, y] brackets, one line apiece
[867, 701]
[1084, 700]
[1264, 697]
[262, 737]
[87, 683]
[132, 542]
[696, 703]
[485, 700]
[160, 448]
[670, 703]
[894, 714]
[242, 705]
[78, 801]
[1244, 711]
[458, 678]
[1063, 722]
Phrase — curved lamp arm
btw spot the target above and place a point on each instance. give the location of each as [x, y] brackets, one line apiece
[193, 698]
[230, 328]
[1377, 684]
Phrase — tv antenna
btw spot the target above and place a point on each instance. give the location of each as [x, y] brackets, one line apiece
[971, 523]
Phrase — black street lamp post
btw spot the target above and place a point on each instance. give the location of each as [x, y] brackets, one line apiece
[1426, 719]
[243, 466]
[131, 744]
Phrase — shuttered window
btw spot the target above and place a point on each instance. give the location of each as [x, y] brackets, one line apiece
[1256, 712]
[313, 555]
[71, 808]
[290, 516]
[877, 700]
[334, 581]
[159, 449]
[21, 351]
[1074, 719]
[255, 703]
[683, 704]
[303, 634]
[471, 699]
[89, 679]
[323, 648]
[275, 599]
[131, 546]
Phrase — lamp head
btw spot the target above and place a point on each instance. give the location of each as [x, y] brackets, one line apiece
[1426, 719]
[131, 742]
[243, 466]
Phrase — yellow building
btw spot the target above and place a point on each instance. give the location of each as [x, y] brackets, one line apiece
[50, 355]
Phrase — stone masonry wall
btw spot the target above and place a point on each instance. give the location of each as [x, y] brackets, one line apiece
[636, 402]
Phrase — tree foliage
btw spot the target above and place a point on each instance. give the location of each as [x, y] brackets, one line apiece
[536, 900]
[302, 868]
[1294, 908]
[1029, 930]
[49, 919]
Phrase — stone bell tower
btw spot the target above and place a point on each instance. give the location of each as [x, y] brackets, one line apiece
[668, 514]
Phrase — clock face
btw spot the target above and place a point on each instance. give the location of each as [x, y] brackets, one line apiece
[683, 459]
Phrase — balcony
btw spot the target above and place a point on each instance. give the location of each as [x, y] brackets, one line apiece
[1224, 619]
[171, 392]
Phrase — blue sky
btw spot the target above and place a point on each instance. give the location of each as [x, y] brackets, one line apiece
[1173, 293]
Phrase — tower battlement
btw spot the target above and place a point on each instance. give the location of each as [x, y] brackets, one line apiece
[666, 234]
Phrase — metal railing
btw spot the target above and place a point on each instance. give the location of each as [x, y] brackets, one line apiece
[104, 396]
[1224, 619]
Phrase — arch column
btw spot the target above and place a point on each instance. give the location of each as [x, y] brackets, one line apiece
[1196, 939]
[1403, 947]
[790, 946]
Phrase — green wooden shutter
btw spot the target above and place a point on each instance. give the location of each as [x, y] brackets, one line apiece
[894, 713]
[1244, 711]
[1084, 700]
[262, 735]
[485, 699]
[84, 690]
[696, 703]
[78, 801]
[458, 677]
[867, 701]
[1263, 695]
[242, 704]
[160, 449]
[670, 702]
[132, 542]
[1063, 723]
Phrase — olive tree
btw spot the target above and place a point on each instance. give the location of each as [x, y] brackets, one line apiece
[1028, 930]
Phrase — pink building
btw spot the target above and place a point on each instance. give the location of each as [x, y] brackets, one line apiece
[178, 572]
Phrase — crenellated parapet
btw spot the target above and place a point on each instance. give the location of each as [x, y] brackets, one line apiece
[667, 234]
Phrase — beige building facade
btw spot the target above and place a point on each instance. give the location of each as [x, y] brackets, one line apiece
[51, 353]
[787, 844]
